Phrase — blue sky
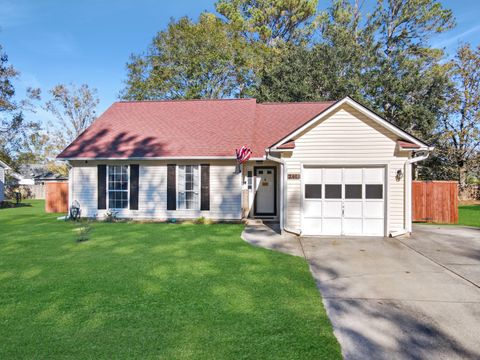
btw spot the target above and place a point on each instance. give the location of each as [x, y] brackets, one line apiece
[87, 41]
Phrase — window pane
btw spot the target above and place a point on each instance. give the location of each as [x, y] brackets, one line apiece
[313, 191]
[374, 191]
[333, 191]
[118, 186]
[188, 184]
[353, 191]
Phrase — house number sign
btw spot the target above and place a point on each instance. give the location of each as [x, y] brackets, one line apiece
[293, 176]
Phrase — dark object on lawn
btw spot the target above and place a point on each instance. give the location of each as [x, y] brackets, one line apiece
[75, 211]
[18, 197]
[84, 231]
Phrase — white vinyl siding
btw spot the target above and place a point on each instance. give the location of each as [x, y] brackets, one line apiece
[225, 190]
[346, 137]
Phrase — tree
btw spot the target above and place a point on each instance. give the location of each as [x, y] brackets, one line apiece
[330, 69]
[459, 130]
[270, 21]
[15, 131]
[382, 60]
[192, 60]
[407, 83]
[74, 109]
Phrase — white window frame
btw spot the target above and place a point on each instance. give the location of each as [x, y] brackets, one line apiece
[177, 172]
[128, 188]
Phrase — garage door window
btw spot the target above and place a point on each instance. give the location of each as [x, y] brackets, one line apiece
[313, 191]
[333, 191]
[353, 191]
[373, 191]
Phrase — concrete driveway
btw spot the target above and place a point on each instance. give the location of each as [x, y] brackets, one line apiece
[408, 298]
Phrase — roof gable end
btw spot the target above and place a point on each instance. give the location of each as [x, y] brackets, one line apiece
[362, 109]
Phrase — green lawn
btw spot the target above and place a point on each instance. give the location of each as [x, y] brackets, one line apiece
[152, 291]
[469, 215]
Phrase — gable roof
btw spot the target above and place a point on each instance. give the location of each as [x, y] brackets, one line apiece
[364, 110]
[192, 128]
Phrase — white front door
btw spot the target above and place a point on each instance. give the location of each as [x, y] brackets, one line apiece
[265, 191]
[343, 201]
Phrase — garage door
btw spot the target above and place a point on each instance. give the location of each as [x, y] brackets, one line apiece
[343, 201]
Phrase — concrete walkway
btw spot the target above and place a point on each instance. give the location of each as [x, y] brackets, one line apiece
[269, 237]
[407, 298]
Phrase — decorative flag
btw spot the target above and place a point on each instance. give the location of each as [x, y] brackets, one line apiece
[243, 154]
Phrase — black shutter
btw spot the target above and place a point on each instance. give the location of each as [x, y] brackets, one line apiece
[134, 171]
[102, 187]
[205, 190]
[171, 187]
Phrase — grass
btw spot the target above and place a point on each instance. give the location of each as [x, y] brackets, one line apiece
[151, 290]
[469, 215]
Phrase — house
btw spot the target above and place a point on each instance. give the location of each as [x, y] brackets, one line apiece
[324, 168]
[34, 178]
[3, 168]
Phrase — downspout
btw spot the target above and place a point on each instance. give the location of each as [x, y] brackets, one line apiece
[283, 177]
[408, 193]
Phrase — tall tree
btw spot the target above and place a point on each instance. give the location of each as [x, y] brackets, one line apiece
[15, 130]
[330, 69]
[192, 60]
[460, 126]
[408, 81]
[74, 109]
[270, 21]
[382, 59]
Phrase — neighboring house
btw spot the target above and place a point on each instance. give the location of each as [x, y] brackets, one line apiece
[3, 167]
[329, 168]
[34, 178]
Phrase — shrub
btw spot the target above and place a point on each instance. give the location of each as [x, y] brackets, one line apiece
[83, 231]
[111, 216]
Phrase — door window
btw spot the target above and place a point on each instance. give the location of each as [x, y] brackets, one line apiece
[313, 191]
[333, 191]
[353, 191]
[374, 191]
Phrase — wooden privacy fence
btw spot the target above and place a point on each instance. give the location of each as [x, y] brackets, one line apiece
[435, 201]
[56, 197]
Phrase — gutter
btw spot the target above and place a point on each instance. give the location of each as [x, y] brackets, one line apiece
[283, 175]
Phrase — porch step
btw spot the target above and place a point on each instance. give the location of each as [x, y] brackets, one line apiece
[253, 221]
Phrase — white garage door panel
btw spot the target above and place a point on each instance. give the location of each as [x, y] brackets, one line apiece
[374, 209]
[333, 209]
[373, 176]
[313, 176]
[314, 208]
[312, 226]
[355, 212]
[331, 227]
[354, 176]
[352, 226]
[332, 176]
[353, 209]
[373, 227]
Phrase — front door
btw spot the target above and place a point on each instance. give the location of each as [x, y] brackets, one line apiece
[265, 185]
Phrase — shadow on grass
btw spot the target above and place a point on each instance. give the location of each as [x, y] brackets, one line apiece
[154, 290]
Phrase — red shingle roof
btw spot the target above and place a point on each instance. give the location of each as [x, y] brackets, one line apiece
[202, 128]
